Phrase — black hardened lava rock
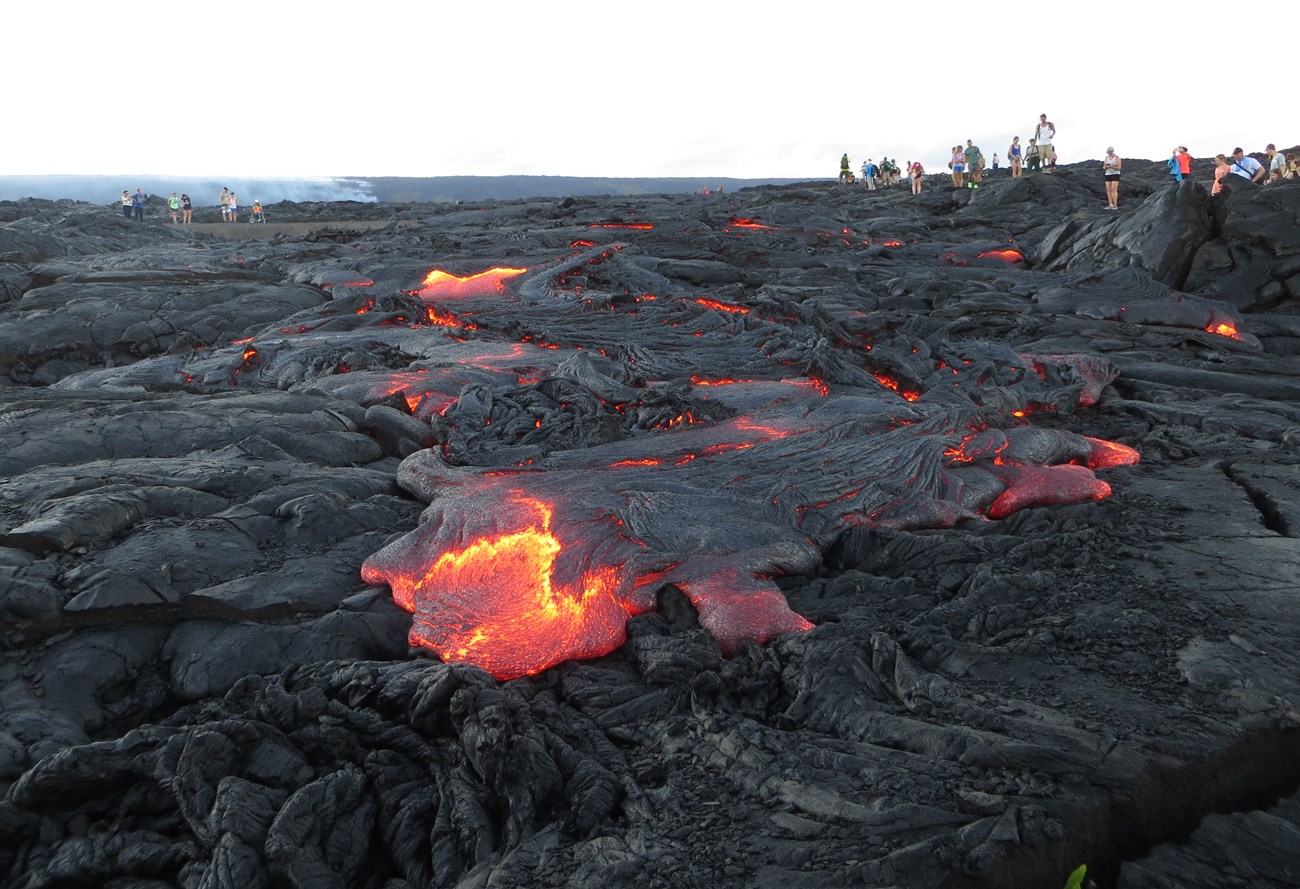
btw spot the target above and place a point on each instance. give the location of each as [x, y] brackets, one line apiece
[789, 537]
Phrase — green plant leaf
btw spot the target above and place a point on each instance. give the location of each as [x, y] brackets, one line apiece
[1076, 877]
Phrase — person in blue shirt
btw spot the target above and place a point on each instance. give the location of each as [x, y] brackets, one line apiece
[137, 204]
[1174, 169]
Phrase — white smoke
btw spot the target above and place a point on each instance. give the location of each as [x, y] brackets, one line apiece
[203, 191]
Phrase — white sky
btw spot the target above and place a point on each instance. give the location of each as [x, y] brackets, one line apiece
[286, 88]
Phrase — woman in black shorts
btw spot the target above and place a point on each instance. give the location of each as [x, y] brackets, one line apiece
[1110, 168]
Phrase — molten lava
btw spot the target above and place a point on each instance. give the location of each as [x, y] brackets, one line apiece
[1223, 328]
[724, 307]
[444, 285]
[1006, 255]
[527, 618]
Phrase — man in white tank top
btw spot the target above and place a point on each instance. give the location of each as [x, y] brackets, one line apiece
[1045, 134]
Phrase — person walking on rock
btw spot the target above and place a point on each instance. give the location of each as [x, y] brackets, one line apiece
[974, 165]
[958, 167]
[869, 171]
[845, 170]
[174, 204]
[126, 204]
[137, 204]
[187, 210]
[1032, 158]
[916, 172]
[224, 201]
[1014, 158]
[1110, 170]
[1044, 138]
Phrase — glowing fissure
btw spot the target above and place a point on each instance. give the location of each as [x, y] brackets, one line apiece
[725, 307]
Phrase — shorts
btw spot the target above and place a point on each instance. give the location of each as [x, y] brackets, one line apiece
[959, 168]
[1112, 176]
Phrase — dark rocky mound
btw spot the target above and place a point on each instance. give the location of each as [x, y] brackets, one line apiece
[903, 421]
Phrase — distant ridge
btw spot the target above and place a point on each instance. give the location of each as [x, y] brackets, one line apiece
[506, 188]
[106, 189]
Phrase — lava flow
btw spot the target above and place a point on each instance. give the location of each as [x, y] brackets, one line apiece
[439, 284]
[527, 616]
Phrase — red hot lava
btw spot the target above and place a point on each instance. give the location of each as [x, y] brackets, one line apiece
[439, 284]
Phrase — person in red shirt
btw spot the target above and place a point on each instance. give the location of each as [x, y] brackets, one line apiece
[1184, 161]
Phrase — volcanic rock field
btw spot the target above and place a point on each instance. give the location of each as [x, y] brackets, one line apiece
[799, 536]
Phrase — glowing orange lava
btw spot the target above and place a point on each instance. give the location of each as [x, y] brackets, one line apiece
[1107, 454]
[893, 385]
[445, 285]
[1006, 255]
[725, 307]
[704, 381]
[535, 619]
[640, 226]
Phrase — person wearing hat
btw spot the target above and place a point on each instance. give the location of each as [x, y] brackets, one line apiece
[1247, 167]
[1276, 162]
[1110, 170]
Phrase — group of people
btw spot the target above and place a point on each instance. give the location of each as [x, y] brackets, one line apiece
[967, 165]
[1280, 166]
[873, 174]
[182, 208]
[230, 207]
[133, 206]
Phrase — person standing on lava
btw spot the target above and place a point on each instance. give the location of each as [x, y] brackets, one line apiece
[974, 165]
[224, 201]
[137, 204]
[1013, 157]
[232, 207]
[187, 209]
[1110, 170]
[1221, 172]
[845, 171]
[1044, 137]
[916, 172]
[958, 167]
[126, 204]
